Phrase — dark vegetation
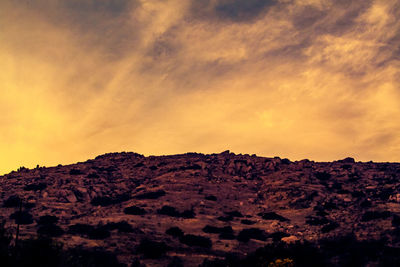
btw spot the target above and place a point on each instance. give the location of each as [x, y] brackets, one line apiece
[175, 232]
[375, 215]
[90, 231]
[252, 233]
[22, 217]
[211, 198]
[272, 216]
[12, 202]
[107, 201]
[44, 252]
[173, 212]
[75, 172]
[152, 249]
[35, 187]
[342, 251]
[122, 227]
[151, 195]
[134, 210]
[196, 241]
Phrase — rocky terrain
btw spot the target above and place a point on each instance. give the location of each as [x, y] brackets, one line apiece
[192, 209]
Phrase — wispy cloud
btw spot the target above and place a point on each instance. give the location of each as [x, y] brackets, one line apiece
[312, 79]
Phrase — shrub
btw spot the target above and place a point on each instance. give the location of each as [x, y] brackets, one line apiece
[22, 217]
[101, 201]
[329, 227]
[107, 201]
[211, 198]
[252, 233]
[122, 227]
[89, 231]
[175, 262]
[91, 258]
[50, 230]
[174, 231]
[47, 219]
[225, 218]
[227, 236]
[35, 187]
[196, 240]
[171, 211]
[323, 176]
[235, 214]
[99, 233]
[152, 249]
[375, 215]
[317, 220]
[272, 216]
[12, 202]
[134, 210]
[217, 230]
[92, 175]
[151, 195]
[75, 172]
[247, 222]
[80, 229]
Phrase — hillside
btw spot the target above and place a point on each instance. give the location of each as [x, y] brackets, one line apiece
[193, 208]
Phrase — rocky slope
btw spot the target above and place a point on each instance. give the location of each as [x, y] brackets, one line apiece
[191, 207]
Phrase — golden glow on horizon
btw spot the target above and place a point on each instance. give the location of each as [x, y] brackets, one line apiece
[313, 79]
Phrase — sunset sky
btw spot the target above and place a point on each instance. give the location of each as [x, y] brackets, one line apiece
[316, 79]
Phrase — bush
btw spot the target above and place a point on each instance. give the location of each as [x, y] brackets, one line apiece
[35, 187]
[50, 230]
[152, 249]
[80, 229]
[329, 227]
[323, 176]
[227, 236]
[217, 230]
[99, 233]
[211, 198]
[252, 233]
[91, 258]
[122, 227]
[175, 262]
[174, 231]
[375, 215]
[171, 211]
[235, 214]
[272, 216]
[75, 172]
[196, 240]
[22, 217]
[225, 218]
[12, 202]
[93, 175]
[317, 221]
[134, 210]
[151, 195]
[107, 201]
[247, 222]
[47, 219]
[89, 231]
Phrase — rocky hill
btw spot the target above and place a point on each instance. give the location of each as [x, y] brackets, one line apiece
[191, 209]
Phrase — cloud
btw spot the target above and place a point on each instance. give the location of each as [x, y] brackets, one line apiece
[300, 79]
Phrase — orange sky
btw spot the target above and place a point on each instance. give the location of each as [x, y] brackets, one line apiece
[313, 79]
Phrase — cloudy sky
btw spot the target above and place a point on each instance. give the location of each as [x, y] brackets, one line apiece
[316, 79]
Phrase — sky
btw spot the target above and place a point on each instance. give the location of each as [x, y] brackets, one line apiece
[315, 79]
